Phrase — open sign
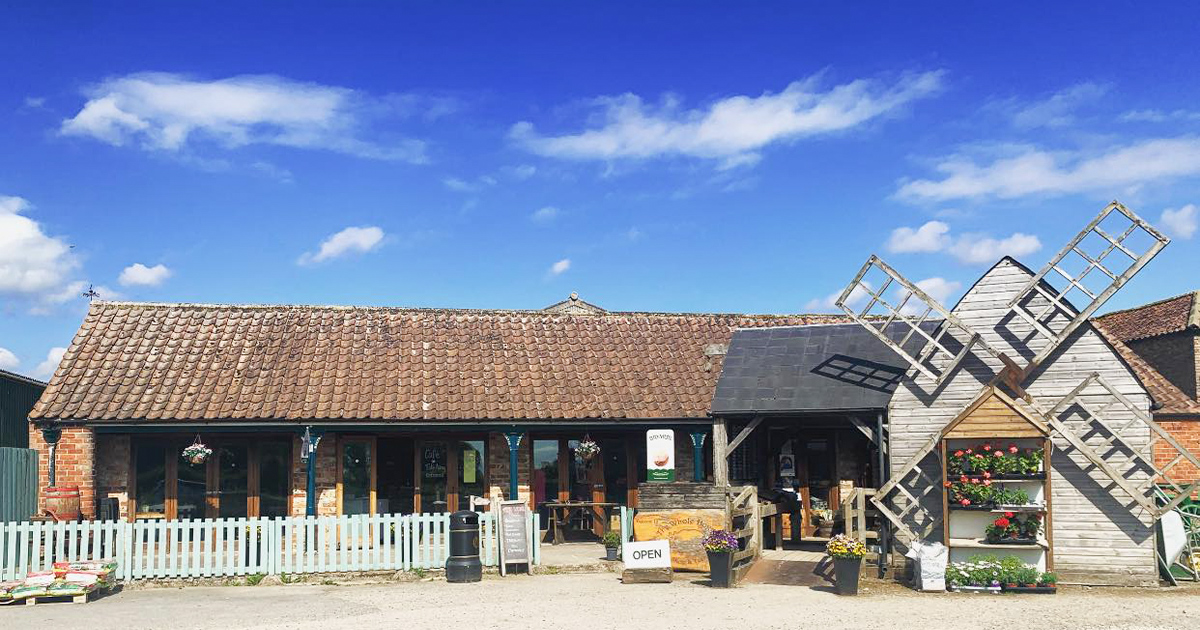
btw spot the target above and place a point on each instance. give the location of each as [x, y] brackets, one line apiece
[652, 554]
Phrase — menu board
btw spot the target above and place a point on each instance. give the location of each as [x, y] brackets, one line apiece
[434, 461]
[513, 533]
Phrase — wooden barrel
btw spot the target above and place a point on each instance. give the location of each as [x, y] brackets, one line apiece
[63, 502]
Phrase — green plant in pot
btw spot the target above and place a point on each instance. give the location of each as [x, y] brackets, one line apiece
[720, 546]
[612, 545]
[847, 556]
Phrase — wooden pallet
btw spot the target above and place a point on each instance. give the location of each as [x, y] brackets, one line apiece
[47, 599]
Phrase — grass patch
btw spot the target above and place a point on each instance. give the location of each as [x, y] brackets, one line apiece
[254, 580]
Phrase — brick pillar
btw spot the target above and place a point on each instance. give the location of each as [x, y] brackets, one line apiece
[326, 477]
[498, 465]
[75, 464]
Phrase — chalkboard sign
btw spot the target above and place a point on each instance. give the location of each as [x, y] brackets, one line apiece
[514, 534]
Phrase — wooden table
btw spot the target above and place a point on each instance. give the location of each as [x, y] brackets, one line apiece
[561, 512]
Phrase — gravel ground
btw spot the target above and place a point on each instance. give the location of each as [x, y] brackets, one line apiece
[600, 601]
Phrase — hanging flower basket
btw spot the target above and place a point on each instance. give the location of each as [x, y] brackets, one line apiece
[587, 449]
[197, 453]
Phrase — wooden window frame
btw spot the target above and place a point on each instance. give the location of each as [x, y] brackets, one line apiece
[173, 445]
[373, 444]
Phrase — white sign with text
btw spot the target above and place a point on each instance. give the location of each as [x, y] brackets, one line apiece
[652, 554]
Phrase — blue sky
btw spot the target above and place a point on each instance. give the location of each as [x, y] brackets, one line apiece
[670, 157]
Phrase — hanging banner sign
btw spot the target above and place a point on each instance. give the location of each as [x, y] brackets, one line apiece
[660, 455]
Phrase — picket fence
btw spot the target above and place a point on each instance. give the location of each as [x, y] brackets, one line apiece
[191, 548]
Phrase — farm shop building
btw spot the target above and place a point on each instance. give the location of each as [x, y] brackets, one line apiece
[415, 407]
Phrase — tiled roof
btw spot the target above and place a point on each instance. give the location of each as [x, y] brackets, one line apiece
[1158, 318]
[1170, 399]
[159, 362]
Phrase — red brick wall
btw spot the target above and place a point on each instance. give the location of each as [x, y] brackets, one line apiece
[112, 469]
[326, 478]
[1187, 433]
[75, 465]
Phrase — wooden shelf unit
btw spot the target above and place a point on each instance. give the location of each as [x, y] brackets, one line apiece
[994, 416]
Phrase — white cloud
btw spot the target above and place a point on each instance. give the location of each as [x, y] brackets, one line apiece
[544, 215]
[8, 360]
[141, 275]
[1158, 115]
[45, 369]
[936, 287]
[1180, 223]
[1058, 110]
[979, 249]
[169, 112]
[1039, 172]
[349, 240]
[560, 267]
[33, 265]
[829, 302]
[524, 171]
[731, 130]
[930, 237]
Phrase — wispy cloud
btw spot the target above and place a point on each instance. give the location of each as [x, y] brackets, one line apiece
[1057, 110]
[560, 267]
[1033, 171]
[171, 112]
[348, 241]
[937, 287]
[1158, 115]
[732, 130]
[1180, 223]
[138, 274]
[829, 303]
[544, 215]
[459, 184]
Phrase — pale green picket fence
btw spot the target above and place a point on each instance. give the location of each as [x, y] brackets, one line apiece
[240, 546]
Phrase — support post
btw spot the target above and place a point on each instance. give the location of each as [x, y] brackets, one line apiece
[514, 443]
[698, 455]
[720, 453]
[51, 436]
[308, 452]
[881, 476]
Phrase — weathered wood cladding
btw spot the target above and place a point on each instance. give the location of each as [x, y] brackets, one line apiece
[1100, 533]
[18, 395]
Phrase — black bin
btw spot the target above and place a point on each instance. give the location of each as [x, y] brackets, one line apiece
[463, 565]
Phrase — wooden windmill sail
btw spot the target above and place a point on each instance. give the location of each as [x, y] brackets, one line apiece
[1103, 257]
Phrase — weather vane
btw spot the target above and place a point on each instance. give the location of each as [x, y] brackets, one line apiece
[91, 293]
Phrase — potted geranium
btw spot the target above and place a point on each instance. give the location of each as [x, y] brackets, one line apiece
[197, 453]
[587, 449]
[847, 556]
[720, 546]
[612, 544]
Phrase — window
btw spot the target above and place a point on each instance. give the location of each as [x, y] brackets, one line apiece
[150, 483]
[234, 485]
[358, 483]
[191, 489]
[433, 475]
[274, 478]
[472, 472]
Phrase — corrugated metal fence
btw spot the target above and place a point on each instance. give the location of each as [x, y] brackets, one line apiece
[18, 483]
[241, 546]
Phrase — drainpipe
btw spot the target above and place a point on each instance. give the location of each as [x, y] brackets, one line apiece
[308, 453]
[514, 443]
[52, 436]
[698, 455]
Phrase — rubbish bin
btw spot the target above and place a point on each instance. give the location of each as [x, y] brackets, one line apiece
[463, 565]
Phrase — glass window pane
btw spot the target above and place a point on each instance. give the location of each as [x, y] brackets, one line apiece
[433, 475]
[616, 481]
[151, 482]
[234, 479]
[193, 478]
[274, 470]
[471, 472]
[545, 475]
[577, 471]
[356, 478]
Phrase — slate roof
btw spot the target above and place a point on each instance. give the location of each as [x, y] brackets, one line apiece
[834, 367]
[1157, 318]
[134, 362]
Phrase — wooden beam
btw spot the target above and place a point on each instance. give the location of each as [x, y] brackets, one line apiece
[864, 429]
[743, 434]
[720, 453]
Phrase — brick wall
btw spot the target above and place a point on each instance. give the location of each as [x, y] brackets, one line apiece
[75, 465]
[326, 481]
[498, 464]
[112, 469]
[1187, 433]
[1175, 356]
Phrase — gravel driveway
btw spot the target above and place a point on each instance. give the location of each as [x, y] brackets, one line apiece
[600, 601]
